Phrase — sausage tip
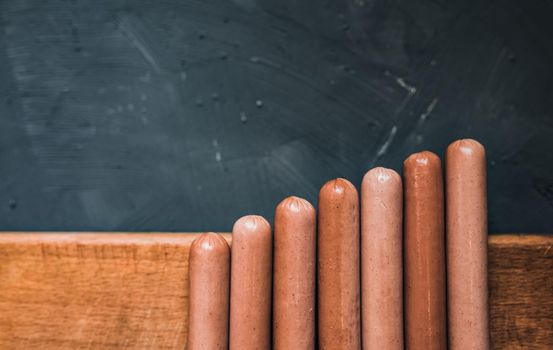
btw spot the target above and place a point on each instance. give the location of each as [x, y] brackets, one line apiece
[209, 242]
[466, 147]
[296, 205]
[421, 159]
[381, 175]
[251, 223]
[338, 187]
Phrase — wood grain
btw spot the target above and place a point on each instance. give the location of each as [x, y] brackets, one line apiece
[521, 291]
[130, 291]
[93, 291]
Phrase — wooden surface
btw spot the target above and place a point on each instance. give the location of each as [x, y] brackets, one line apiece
[93, 291]
[521, 291]
[129, 291]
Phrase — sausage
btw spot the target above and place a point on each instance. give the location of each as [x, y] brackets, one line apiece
[338, 267]
[209, 264]
[294, 275]
[381, 254]
[425, 305]
[467, 245]
[250, 286]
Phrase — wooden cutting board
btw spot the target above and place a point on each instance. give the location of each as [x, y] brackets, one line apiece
[130, 291]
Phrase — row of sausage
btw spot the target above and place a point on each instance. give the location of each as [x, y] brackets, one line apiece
[403, 264]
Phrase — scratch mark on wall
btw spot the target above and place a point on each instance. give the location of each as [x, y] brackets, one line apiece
[401, 82]
[138, 43]
[429, 109]
[384, 147]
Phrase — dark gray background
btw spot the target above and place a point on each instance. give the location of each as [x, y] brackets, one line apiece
[183, 115]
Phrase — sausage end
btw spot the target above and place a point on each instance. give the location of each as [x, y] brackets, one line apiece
[381, 175]
[421, 159]
[295, 204]
[338, 188]
[251, 224]
[210, 243]
[466, 148]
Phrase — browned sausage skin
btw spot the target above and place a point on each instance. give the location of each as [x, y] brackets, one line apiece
[425, 305]
[209, 264]
[382, 260]
[294, 275]
[467, 238]
[338, 266]
[251, 271]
